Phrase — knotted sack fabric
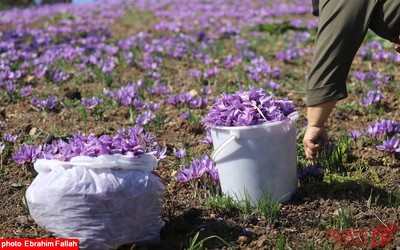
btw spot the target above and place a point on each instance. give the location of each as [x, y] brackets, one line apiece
[105, 201]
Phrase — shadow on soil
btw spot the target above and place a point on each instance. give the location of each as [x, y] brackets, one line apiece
[353, 190]
[180, 230]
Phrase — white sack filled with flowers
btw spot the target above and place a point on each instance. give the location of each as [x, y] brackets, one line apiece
[101, 190]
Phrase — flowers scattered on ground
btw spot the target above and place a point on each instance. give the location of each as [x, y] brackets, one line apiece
[91, 103]
[201, 174]
[390, 145]
[309, 173]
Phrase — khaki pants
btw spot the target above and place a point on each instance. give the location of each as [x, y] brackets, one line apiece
[343, 25]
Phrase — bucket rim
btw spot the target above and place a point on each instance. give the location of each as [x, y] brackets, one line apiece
[291, 117]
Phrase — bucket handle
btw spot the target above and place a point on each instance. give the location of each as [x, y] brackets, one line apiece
[234, 135]
[221, 146]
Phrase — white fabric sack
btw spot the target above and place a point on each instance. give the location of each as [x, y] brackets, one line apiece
[104, 201]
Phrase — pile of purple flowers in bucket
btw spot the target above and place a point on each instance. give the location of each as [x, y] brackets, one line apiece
[131, 142]
[246, 108]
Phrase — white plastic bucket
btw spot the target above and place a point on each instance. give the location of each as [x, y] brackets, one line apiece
[255, 161]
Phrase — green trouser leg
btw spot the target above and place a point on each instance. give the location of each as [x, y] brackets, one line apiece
[342, 27]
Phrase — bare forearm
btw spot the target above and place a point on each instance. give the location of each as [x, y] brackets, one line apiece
[318, 114]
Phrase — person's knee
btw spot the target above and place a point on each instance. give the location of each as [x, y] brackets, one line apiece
[385, 21]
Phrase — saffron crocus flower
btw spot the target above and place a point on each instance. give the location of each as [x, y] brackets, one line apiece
[184, 175]
[194, 73]
[46, 104]
[27, 154]
[59, 76]
[159, 152]
[207, 139]
[391, 145]
[109, 65]
[383, 127]
[310, 171]
[154, 106]
[372, 96]
[361, 76]
[91, 103]
[10, 138]
[231, 61]
[143, 118]
[272, 84]
[180, 153]
[11, 87]
[355, 134]
[26, 91]
[172, 100]
[198, 169]
[211, 73]
[246, 231]
[205, 90]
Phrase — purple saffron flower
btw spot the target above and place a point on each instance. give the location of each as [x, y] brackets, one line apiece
[138, 104]
[154, 106]
[27, 154]
[185, 115]
[11, 87]
[59, 76]
[198, 170]
[220, 219]
[158, 88]
[97, 146]
[180, 153]
[383, 127]
[109, 65]
[310, 171]
[272, 84]
[372, 96]
[91, 103]
[46, 104]
[145, 117]
[207, 139]
[196, 102]
[245, 108]
[361, 76]
[355, 134]
[391, 145]
[246, 231]
[172, 100]
[10, 138]
[205, 90]
[26, 91]
[194, 73]
[211, 73]
[184, 175]
[160, 152]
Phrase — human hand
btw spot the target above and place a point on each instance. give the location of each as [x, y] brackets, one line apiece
[396, 40]
[313, 140]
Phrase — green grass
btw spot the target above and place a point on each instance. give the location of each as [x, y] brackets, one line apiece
[196, 244]
[344, 218]
[266, 207]
[394, 198]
